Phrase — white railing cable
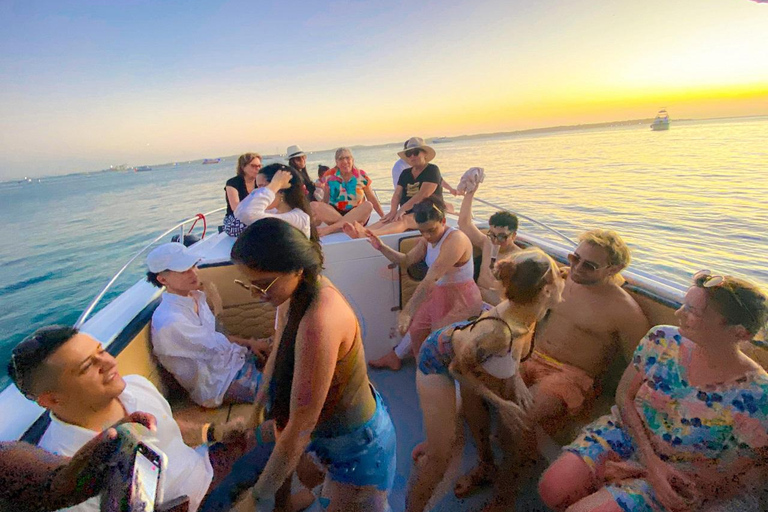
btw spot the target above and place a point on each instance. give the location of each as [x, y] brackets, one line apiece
[97, 299]
[553, 230]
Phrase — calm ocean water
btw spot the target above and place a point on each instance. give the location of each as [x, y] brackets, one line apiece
[691, 198]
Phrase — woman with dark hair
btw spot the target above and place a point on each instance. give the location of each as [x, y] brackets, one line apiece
[280, 194]
[447, 294]
[469, 352]
[690, 425]
[318, 387]
[238, 188]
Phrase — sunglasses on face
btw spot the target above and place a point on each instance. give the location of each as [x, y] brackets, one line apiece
[412, 152]
[705, 279]
[575, 259]
[254, 289]
[499, 237]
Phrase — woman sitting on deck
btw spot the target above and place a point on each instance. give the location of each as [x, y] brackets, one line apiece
[318, 387]
[420, 181]
[346, 190]
[690, 428]
[491, 345]
[447, 294]
[238, 188]
[280, 195]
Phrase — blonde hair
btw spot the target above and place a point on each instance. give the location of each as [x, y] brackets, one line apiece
[244, 160]
[618, 252]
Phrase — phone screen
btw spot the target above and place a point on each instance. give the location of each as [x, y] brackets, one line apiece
[146, 474]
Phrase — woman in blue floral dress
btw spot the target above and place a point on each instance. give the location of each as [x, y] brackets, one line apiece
[690, 428]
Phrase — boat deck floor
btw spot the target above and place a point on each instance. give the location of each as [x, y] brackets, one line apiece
[398, 390]
[401, 398]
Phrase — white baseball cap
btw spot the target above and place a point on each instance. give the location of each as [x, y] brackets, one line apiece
[501, 367]
[172, 256]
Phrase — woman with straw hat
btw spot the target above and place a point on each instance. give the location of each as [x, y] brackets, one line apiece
[420, 181]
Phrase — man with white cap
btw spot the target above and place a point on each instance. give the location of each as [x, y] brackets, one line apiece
[298, 160]
[212, 367]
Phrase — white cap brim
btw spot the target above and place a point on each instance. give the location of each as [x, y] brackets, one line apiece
[501, 367]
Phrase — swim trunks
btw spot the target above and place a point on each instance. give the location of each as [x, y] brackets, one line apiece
[572, 385]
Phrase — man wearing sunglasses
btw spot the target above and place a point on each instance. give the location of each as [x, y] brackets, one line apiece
[577, 341]
[580, 337]
[214, 368]
[497, 243]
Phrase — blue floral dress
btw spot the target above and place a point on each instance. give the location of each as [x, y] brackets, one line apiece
[726, 423]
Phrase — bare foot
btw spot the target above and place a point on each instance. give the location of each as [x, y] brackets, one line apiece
[301, 500]
[419, 451]
[480, 475]
[353, 230]
[389, 361]
[324, 230]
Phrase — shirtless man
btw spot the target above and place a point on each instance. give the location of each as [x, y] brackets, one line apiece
[574, 345]
[499, 242]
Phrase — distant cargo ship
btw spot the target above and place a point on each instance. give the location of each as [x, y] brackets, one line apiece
[142, 168]
[211, 161]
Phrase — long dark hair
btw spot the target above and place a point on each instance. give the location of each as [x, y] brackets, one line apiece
[273, 245]
[295, 196]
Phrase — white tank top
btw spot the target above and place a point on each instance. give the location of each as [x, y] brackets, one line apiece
[466, 272]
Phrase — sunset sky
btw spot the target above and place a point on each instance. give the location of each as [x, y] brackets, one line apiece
[89, 84]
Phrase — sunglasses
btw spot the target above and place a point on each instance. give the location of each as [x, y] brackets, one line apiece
[256, 289]
[499, 237]
[575, 259]
[705, 279]
[412, 152]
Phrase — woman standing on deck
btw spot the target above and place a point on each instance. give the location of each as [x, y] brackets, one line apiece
[238, 188]
[447, 294]
[318, 388]
[466, 351]
[690, 425]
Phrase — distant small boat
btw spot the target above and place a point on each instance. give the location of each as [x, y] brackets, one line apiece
[142, 168]
[661, 121]
[211, 161]
[438, 140]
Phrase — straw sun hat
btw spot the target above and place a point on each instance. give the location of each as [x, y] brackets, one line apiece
[417, 143]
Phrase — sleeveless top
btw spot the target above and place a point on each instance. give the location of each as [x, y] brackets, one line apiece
[455, 275]
[350, 401]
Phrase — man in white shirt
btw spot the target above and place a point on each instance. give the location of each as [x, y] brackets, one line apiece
[70, 374]
[212, 367]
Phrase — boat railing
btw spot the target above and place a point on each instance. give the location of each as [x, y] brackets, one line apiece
[488, 203]
[180, 226]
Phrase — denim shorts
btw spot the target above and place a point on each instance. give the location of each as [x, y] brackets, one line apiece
[365, 456]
